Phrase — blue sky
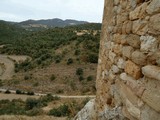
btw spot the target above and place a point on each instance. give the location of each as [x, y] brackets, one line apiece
[20, 10]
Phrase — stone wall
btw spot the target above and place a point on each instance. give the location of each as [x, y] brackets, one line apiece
[128, 74]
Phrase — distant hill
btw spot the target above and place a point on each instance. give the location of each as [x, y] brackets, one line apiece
[49, 23]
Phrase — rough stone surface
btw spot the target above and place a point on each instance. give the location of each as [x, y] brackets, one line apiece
[139, 12]
[154, 25]
[133, 40]
[154, 7]
[140, 27]
[151, 71]
[139, 57]
[88, 112]
[128, 73]
[127, 51]
[133, 69]
[148, 44]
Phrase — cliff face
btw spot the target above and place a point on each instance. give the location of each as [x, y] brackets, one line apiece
[128, 74]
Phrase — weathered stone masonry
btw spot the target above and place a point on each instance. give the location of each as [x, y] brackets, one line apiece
[128, 75]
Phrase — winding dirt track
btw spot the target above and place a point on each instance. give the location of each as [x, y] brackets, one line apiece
[9, 67]
[8, 61]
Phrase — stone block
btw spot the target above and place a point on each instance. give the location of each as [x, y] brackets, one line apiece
[152, 98]
[133, 69]
[122, 18]
[133, 40]
[134, 111]
[147, 113]
[127, 51]
[154, 24]
[153, 7]
[151, 71]
[140, 27]
[139, 58]
[148, 44]
[139, 12]
[136, 86]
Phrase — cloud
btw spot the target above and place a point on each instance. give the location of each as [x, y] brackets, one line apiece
[90, 10]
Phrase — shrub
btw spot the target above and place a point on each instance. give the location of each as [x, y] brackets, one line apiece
[81, 78]
[79, 71]
[53, 77]
[92, 58]
[89, 78]
[30, 93]
[35, 111]
[18, 92]
[77, 52]
[7, 92]
[31, 103]
[35, 84]
[69, 61]
[63, 110]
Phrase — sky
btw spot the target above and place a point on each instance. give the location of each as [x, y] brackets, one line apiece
[20, 10]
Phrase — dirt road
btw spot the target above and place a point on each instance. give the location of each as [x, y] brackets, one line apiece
[7, 71]
[13, 95]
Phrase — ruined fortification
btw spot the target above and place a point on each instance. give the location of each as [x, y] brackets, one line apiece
[128, 74]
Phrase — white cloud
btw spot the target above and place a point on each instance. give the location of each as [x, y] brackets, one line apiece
[90, 10]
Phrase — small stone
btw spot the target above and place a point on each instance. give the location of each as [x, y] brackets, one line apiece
[121, 63]
[148, 44]
[133, 69]
[117, 49]
[115, 69]
[139, 58]
[112, 56]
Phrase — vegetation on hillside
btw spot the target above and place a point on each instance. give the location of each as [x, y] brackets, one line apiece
[42, 45]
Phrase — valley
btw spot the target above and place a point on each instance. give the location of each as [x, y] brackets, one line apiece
[59, 61]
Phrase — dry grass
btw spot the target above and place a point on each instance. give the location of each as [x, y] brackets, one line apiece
[18, 117]
[66, 79]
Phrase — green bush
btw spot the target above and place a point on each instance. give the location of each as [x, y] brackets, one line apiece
[35, 111]
[77, 52]
[18, 92]
[81, 78]
[63, 110]
[69, 61]
[79, 71]
[31, 103]
[7, 91]
[30, 93]
[90, 78]
[93, 58]
[53, 77]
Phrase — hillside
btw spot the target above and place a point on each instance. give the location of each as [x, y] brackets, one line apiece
[48, 23]
[63, 60]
